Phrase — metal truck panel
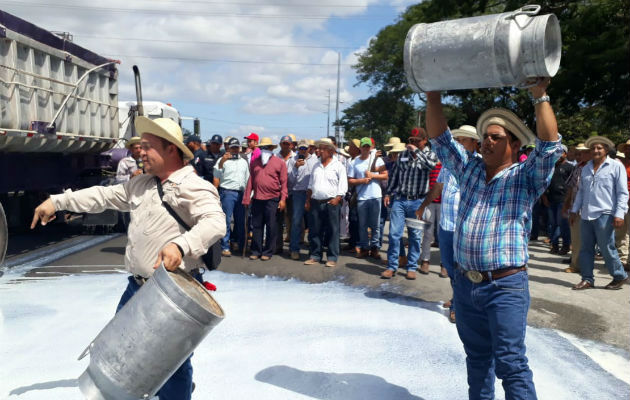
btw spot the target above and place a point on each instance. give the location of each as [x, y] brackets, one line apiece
[43, 76]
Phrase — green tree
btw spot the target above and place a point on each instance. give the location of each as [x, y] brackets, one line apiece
[590, 93]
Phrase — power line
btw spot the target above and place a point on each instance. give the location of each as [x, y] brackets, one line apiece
[213, 43]
[221, 60]
[259, 124]
[305, 5]
[196, 13]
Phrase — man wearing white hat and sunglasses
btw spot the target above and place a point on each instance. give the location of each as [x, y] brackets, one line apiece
[154, 235]
[490, 284]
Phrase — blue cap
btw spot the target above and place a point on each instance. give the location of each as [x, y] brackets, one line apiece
[286, 138]
[192, 138]
[216, 139]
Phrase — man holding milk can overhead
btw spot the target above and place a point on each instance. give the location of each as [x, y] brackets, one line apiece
[154, 235]
[491, 291]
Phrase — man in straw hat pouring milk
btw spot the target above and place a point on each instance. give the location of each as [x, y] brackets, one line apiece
[490, 284]
[154, 235]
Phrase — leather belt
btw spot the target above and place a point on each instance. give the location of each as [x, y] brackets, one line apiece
[141, 280]
[480, 276]
[323, 200]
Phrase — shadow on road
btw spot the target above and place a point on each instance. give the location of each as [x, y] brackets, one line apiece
[45, 386]
[115, 250]
[333, 386]
[370, 268]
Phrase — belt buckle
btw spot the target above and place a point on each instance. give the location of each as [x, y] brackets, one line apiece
[474, 276]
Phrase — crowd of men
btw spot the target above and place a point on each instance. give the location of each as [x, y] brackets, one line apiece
[317, 194]
[486, 190]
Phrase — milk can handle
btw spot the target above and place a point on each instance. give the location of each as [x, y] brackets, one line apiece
[86, 351]
[530, 9]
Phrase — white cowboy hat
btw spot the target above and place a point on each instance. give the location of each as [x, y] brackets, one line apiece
[344, 153]
[467, 131]
[132, 141]
[581, 146]
[391, 142]
[599, 140]
[266, 142]
[397, 148]
[166, 129]
[326, 142]
[508, 120]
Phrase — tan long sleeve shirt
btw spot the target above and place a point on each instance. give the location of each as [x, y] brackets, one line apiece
[195, 200]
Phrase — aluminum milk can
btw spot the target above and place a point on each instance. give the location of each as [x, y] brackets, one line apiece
[508, 49]
[149, 338]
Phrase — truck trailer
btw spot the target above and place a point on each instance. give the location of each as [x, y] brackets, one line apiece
[58, 114]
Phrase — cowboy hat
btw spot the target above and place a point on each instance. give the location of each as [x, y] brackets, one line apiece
[391, 142]
[622, 146]
[466, 131]
[266, 142]
[599, 140]
[581, 146]
[326, 142]
[355, 142]
[344, 153]
[397, 148]
[509, 121]
[132, 141]
[166, 129]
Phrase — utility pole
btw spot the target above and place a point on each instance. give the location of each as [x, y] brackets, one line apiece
[328, 120]
[337, 105]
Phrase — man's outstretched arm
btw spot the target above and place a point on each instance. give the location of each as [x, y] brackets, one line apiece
[436, 122]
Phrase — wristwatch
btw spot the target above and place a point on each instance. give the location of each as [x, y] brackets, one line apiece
[540, 100]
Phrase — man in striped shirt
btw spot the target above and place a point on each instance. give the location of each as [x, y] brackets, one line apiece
[408, 186]
[491, 291]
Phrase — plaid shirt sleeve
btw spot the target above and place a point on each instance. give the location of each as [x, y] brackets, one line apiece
[452, 154]
[392, 182]
[540, 164]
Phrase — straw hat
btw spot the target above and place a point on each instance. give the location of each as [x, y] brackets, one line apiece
[344, 153]
[266, 141]
[132, 141]
[355, 142]
[621, 147]
[508, 120]
[599, 140]
[293, 138]
[311, 142]
[466, 131]
[621, 155]
[581, 146]
[326, 142]
[397, 148]
[391, 142]
[166, 129]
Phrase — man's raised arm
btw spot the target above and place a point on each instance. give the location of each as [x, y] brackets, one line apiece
[436, 122]
[546, 124]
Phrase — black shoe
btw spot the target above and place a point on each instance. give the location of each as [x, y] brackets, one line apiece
[616, 284]
[566, 261]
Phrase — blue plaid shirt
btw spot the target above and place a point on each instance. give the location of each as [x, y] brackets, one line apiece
[494, 218]
[450, 200]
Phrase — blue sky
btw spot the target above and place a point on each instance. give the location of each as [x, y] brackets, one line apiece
[183, 49]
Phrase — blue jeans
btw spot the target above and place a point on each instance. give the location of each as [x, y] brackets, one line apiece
[447, 254]
[179, 385]
[558, 225]
[384, 213]
[232, 204]
[369, 217]
[491, 322]
[299, 199]
[324, 226]
[403, 208]
[599, 231]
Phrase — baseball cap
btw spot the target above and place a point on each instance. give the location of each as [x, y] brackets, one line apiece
[192, 138]
[303, 143]
[234, 142]
[286, 138]
[216, 139]
[415, 132]
[244, 143]
[252, 136]
[366, 141]
[227, 139]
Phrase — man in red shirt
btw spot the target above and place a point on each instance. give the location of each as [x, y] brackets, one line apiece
[268, 182]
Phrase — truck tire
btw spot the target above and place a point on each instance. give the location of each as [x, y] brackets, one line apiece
[4, 235]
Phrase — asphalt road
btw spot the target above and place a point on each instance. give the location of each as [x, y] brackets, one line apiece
[594, 314]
